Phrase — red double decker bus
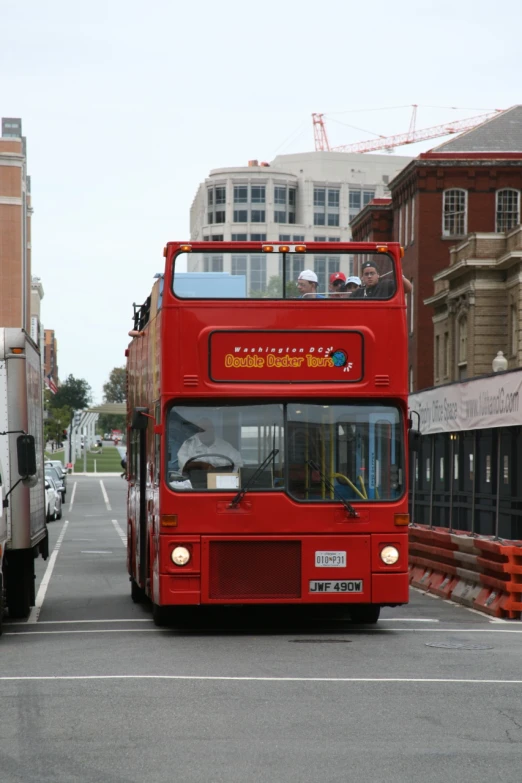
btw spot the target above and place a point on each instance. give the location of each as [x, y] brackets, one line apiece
[267, 429]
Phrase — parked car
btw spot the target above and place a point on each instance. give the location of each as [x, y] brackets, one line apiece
[52, 472]
[53, 500]
[60, 467]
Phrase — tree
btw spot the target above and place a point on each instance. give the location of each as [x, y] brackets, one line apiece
[74, 393]
[110, 421]
[57, 421]
[115, 390]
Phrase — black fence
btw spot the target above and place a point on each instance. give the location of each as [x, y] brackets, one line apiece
[469, 481]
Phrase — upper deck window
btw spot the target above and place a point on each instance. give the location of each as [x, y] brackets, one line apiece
[342, 277]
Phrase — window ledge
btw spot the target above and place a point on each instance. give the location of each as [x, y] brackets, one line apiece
[454, 237]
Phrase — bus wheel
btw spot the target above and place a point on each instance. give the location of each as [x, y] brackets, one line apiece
[160, 615]
[365, 614]
[137, 592]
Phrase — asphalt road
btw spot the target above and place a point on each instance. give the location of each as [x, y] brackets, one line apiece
[91, 690]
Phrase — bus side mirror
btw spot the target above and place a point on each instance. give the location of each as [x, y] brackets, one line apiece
[26, 455]
[139, 418]
[414, 437]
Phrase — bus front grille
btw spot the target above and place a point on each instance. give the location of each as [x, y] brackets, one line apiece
[255, 569]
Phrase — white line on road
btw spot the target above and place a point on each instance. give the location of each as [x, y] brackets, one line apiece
[412, 680]
[105, 496]
[72, 496]
[44, 584]
[120, 531]
[78, 622]
[96, 551]
[355, 630]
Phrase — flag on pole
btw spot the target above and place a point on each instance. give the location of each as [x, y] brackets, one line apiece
[51, 384]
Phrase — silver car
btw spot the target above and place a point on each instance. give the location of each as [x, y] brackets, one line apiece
[53, 500]
[52, 472]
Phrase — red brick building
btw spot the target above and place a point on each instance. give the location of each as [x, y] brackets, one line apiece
[471, 184]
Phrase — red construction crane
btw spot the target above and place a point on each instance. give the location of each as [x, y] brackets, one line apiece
[387, 142]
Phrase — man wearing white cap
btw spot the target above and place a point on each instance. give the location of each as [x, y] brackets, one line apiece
[307, 285]
[352, 283]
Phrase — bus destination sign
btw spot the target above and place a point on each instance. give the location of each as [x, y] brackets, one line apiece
[283, 357]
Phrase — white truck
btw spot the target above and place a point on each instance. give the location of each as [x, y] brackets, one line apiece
[23, 527]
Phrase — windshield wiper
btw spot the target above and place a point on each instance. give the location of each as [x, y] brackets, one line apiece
[243, 490]
[328, 484]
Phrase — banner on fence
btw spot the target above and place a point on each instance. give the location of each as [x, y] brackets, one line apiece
[494, 401]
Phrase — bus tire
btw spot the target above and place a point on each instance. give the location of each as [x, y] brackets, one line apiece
[20, 583]
[160, 615]
[137, 592]
[365, 614]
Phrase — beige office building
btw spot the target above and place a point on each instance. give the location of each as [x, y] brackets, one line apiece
[303, 197]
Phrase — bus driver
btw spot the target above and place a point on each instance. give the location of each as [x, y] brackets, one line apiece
[207, 445]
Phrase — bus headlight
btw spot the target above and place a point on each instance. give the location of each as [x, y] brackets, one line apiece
[180, 555]
[389, 555]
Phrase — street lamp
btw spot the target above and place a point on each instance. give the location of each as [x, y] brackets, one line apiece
[499, 363]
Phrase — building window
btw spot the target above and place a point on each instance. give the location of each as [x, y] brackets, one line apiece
[323, 267]
[285, 237]
[445, 357]
[258, 273]
[279, 195]
[400, 225]
[326, 206]
[280, 216]
[216, 197]
[257, 216]
[354, 199]
[513, 330]
[213, 264]
[454, 213]
[239, 237]
[368, 195]
[406, 232]
[240, 216]
[411, 379]
[216, 237]
[239, 265]
[463, 339]
[258, 194]
[508, 209]
[412, 220]
[258, 237]
[411, 301]
[437, 357]
[240, 194]
[298, 238]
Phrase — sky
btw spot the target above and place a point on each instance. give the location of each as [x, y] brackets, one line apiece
[127, 106]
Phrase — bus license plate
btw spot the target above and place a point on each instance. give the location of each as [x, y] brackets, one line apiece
[345, 586]
[330, 559]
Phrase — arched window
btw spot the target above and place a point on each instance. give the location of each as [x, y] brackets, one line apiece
[508, 209]
[454, 212]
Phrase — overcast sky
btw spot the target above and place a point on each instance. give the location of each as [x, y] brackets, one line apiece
[127, 105]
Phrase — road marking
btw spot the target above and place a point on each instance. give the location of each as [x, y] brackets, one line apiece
[44, 584]
[462, 606]
[120, 531]
[72, 497]
[352, 630]
[105, 496]
[216, 678]
[78, 622]
[407, 620]
[96, 551]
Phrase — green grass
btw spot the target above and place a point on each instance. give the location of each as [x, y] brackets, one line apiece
[58, 455]
[107, 461]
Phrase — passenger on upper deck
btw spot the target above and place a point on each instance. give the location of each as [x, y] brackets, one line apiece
[352, 284]
[337, 281]
[307, 284]
[376, 288]
[207, 445]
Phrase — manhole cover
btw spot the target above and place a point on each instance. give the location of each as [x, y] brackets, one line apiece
[320, 641]
[459, 646]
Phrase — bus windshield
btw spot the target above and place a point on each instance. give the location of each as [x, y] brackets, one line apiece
[335, 275]
[314, 452]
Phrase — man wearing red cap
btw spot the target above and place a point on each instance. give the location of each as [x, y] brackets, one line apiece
[337, 282]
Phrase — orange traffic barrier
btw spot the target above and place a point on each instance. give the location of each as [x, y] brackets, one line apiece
[476, 571]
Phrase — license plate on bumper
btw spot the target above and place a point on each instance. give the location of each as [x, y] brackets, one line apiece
[342, 586]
